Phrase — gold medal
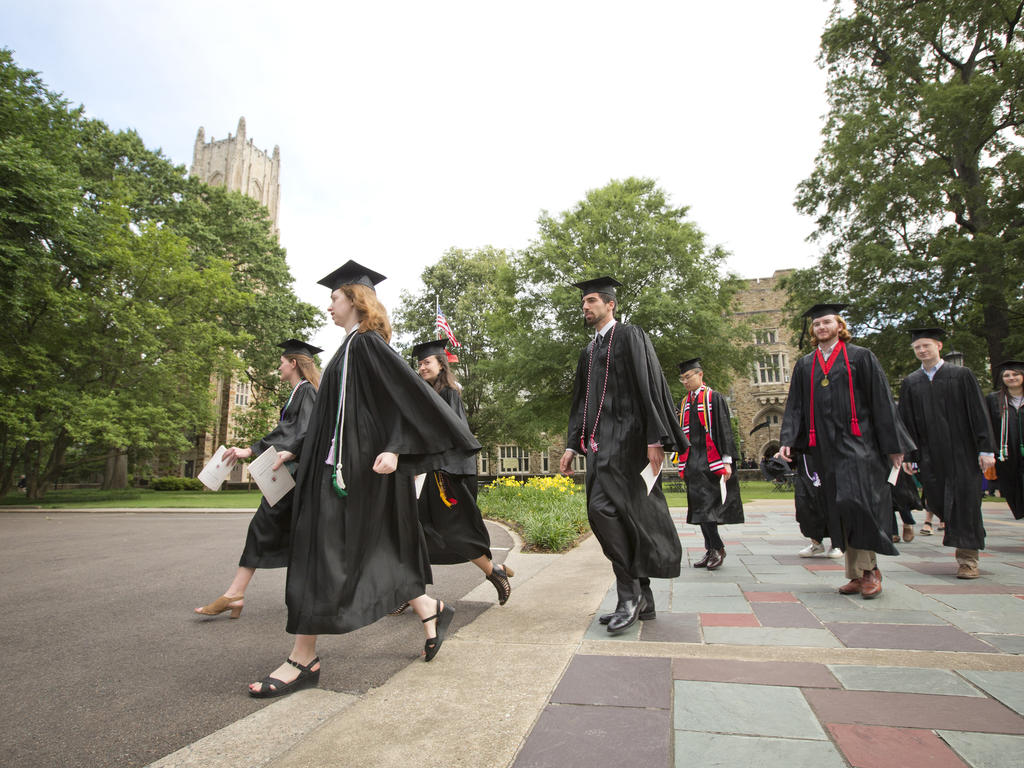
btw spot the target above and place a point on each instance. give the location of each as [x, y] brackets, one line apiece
[824, 381]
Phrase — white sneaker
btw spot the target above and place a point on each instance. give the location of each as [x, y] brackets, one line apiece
[812, 549]
[835, 553]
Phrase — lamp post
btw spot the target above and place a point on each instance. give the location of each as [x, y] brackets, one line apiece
[955, 358]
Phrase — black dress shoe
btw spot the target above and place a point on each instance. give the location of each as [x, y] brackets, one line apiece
[647, 614]
[716, 559]
[703, 562]
[631, 610]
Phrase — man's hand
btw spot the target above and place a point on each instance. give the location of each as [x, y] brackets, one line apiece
[986, 462]
[909, 468]
[896, 459]
[565, 463]
[728, 471]
[282, 457]
[232, 454]
[656, 456]
[784, 453]
[386, 463]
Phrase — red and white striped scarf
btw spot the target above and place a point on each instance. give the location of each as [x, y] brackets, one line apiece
[703, 399]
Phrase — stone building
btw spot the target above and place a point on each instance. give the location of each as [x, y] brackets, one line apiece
[759, 400]
[239, 165]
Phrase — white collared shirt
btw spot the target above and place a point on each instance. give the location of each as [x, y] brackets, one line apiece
[930, 372]
[826, 352]
[604, 331]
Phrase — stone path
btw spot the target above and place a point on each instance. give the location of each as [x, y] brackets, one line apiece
[763, 663]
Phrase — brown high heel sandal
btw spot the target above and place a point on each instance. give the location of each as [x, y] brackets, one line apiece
[499, 578]
[221, 604]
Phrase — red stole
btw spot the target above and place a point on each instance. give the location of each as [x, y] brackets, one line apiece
[703, 399]
[826, 366]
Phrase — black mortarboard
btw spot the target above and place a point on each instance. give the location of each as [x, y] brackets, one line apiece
[598, 285]
[296, 347]
[774, 468]
[689, 365]
[1012, 365]
[926, 333]
[427, 348]
[351, 273]
[820, 310]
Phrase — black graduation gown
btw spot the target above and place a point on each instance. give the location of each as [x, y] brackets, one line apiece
[703, 489]
[949, 422]
[810, 509]
[638, 411]
[455, 531]
[853, 469]
[269, 536]
[353, 559]
[1010, 473]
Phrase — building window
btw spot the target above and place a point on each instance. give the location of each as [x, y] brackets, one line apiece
[766, 336]
[771, 369]
[579, 463]
[241, 393]
[513, 459]
[544, 462]
[484, 463]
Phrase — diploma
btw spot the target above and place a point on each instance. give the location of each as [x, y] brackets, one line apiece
[894, 474]
[273, 484]
[649, 477]
[216, 471]
[419, 479]
[721, 487]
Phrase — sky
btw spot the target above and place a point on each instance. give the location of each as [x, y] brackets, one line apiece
[407, 128]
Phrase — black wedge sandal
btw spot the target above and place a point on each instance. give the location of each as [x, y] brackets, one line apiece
[444, 618]
[499, 578]
[307, 679]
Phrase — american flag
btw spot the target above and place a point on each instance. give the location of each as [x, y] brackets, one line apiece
[442, 325]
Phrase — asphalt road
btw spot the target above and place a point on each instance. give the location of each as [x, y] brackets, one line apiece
[104, 663]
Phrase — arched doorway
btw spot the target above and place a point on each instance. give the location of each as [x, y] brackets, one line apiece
[770, 449]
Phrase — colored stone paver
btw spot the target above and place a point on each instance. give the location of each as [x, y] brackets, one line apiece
[900, 700]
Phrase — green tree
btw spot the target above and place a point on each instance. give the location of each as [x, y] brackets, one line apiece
[476, 291]
[672, 287]
[125, 286]
[918, 188]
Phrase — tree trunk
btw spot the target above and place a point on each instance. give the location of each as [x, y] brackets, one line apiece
[115, 473]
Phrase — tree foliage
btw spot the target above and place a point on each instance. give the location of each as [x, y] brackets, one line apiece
[124, 286]
[520, 319]
[918, 187]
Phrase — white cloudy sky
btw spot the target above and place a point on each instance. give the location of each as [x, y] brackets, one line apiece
[407, 128]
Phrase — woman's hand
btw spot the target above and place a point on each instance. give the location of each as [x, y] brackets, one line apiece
[386, 463]
[232, 454]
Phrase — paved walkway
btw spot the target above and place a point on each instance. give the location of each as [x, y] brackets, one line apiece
[760, 663]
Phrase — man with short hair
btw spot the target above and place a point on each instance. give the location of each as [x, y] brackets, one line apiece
[840, 410]
[944, 410]
[623, 419]
[712, 488]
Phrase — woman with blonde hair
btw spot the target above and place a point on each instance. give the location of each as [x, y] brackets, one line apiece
[357, 546]
[267, 543]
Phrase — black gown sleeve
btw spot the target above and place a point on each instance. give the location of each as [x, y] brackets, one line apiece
[794, 431]
[891, 436]
[906, 410]
[291, 430]
[661, 426]
[977, 413]
[721, 426]
[579, 391]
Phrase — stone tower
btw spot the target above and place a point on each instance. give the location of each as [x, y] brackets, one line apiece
[240, 166]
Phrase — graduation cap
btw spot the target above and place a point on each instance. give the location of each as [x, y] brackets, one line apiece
[598, 285]
[774, 468]
[1011, 365]
[296, 347]
[429, 348]
[351, 273]
[926, 333]
[689, 365]
[820, 310]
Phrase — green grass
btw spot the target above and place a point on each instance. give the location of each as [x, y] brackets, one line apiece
[749, 490]
[141, 498]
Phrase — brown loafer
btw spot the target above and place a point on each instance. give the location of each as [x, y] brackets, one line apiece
[967, 572]
[871, 584]
[908, 533]
[852, 587]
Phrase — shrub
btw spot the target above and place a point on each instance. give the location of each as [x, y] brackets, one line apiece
[176, 484]
[548, 512]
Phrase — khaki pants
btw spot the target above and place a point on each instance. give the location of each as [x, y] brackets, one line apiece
[967, 557]
[858, 561]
